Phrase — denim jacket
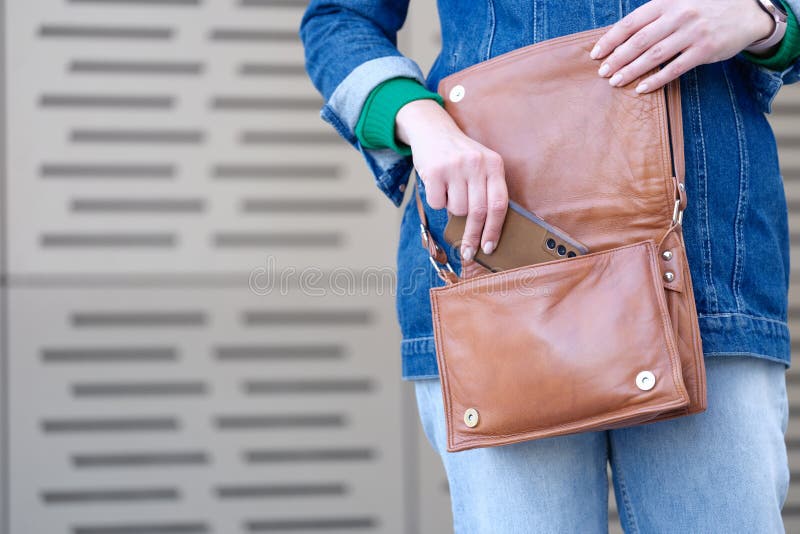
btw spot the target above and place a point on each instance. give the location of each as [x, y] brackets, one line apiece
[736, 223]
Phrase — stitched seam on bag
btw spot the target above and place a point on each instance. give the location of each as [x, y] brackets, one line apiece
[539, 47]
[699, 368]
[665, 152]
[443, 371]
[571, 425]
[667, 327]
[510, 273]
[491, 279]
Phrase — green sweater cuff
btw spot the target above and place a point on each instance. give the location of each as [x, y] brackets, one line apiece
[788, 50]
[375, 127]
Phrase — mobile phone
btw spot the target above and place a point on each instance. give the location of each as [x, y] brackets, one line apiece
[524, 240]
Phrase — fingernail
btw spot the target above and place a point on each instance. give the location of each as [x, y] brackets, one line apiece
[595, 52]
[641, 88]
[603, 70]
[467, 253]
[615, 79]
[488, 247]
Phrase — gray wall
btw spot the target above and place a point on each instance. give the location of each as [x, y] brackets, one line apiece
[786, 123]
[154, 377]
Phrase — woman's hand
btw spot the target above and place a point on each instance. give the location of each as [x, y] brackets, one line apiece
[459, 173]
[697, 32]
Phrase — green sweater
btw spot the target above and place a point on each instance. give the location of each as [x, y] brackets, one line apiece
[376, 123]
[375, 127]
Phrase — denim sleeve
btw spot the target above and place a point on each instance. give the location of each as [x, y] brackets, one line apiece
[350, 47]
[765, 82]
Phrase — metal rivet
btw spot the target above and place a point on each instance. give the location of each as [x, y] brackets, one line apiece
[471, 417]
[669, 276]
[681, 186]
[645, 380]
[667, 255]
[457, 93]
[401, 187]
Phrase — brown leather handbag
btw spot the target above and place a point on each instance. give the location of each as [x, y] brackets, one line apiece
[599, 341]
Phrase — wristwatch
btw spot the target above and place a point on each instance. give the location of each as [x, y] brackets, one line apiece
[776, 10]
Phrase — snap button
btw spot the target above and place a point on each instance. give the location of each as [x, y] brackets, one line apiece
[457, 93]
[645, 380]
[669, 276]
[471, 417]
[667, 255]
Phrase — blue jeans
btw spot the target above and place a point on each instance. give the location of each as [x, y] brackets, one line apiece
[722, 471]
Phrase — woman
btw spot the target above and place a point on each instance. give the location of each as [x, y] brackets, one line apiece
[724, 470]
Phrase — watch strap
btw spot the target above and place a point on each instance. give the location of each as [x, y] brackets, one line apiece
[779, 16]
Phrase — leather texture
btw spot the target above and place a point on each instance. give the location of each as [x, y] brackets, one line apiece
[556, 347]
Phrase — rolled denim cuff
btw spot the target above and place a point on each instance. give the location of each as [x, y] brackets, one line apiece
[349, 96]
[342, 110]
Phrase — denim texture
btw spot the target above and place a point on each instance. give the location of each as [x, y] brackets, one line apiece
[736, 223]
[724, 471]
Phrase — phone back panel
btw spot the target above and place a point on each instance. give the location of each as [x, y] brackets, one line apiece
[522, 242]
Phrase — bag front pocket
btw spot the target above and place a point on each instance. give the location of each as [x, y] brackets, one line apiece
[556, 348]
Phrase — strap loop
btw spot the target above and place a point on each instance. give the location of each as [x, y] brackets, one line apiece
[436, 254]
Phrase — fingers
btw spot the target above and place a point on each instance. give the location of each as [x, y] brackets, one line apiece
[476, 190]
[487, 203]
[688, 59]
[470, 181]
[678, 35]
[496, 205]
[457, 197]
[638, 45]
[626, 27]
[435, 192]
[659, 53]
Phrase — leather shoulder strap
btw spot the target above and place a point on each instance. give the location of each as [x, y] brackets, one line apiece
[676, 141]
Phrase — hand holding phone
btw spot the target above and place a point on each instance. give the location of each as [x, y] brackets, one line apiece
[525, 239]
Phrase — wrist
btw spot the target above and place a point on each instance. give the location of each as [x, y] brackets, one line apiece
[419, 118]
